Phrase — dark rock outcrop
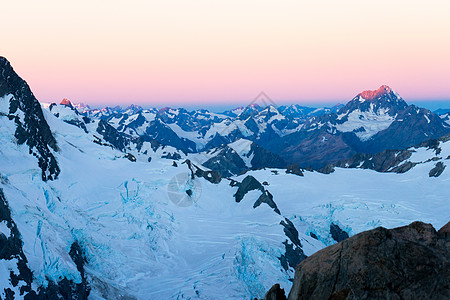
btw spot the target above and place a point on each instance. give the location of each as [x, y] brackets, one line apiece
[130, 157]
[227, 162]
[162, 133]
[410, 262]
[263, 158]
[275, 293]
[11, 249]
[293, 250]
[211, 176]
[337, 233]
[445, 230]
[294, 169]
[248, 184]
[32, 128]
[382, 162]
[291, 232]
[172, 156]
[267, 198]
[397, 161]
[292, 257]
[328, 169]
[437, 170]
[110, 134]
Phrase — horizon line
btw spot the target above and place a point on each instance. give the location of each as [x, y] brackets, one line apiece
[431, 104]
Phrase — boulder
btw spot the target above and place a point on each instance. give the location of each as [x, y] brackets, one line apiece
[410, 262]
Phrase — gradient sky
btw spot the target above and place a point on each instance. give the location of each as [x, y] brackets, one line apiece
[176, 52]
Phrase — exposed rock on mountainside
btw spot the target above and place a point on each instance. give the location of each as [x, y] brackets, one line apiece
[111, 135]
[384, 161]
[337, 233]
[401, 161]
[19, 104]
[211, 176]
[437, 170]
[294, 169]
[202, 130]
[20, 275]
[248, 184]
[11, 251]
[233, 160]
[227, 162]
[410, 262]
[267, 198]
[370, 123]
[275, 293]
[293, 250]
[370, 95]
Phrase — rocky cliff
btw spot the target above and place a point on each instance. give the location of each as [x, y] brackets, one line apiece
[410, 262]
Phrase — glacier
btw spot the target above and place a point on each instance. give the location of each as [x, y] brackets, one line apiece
[139, 244]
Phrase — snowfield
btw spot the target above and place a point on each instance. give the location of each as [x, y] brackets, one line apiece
[372, 122]
[140, 244]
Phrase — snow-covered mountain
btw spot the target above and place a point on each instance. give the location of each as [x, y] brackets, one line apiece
[238, 157]
[444, 114]
[89, 208]
[371, 122]
[201, 130]
[401, 161]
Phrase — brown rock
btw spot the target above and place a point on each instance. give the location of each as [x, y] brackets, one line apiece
[445, 230]
[275, 293]
[410, 262]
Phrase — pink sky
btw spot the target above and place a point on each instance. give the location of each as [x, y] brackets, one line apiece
[207, 51]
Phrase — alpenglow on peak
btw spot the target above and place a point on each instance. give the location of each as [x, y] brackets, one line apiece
[369, 95]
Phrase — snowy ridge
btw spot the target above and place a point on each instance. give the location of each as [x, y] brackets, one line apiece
[242, 147]
[202, 127]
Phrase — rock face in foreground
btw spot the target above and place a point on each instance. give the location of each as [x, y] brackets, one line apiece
[411, 262]
[31, 127]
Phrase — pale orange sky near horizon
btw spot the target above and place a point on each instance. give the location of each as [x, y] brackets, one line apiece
[180, 52]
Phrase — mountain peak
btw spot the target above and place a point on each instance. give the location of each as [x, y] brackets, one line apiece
[369, 95]
[4, 62]
[66, 102]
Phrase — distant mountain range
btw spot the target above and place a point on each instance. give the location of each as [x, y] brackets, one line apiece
[371, 122]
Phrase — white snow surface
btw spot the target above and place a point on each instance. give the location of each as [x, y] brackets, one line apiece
[226, 127]
[4, 229]
[139, 243]
[190, 135]
[372, 122]
[242, 147]
[4, 104]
